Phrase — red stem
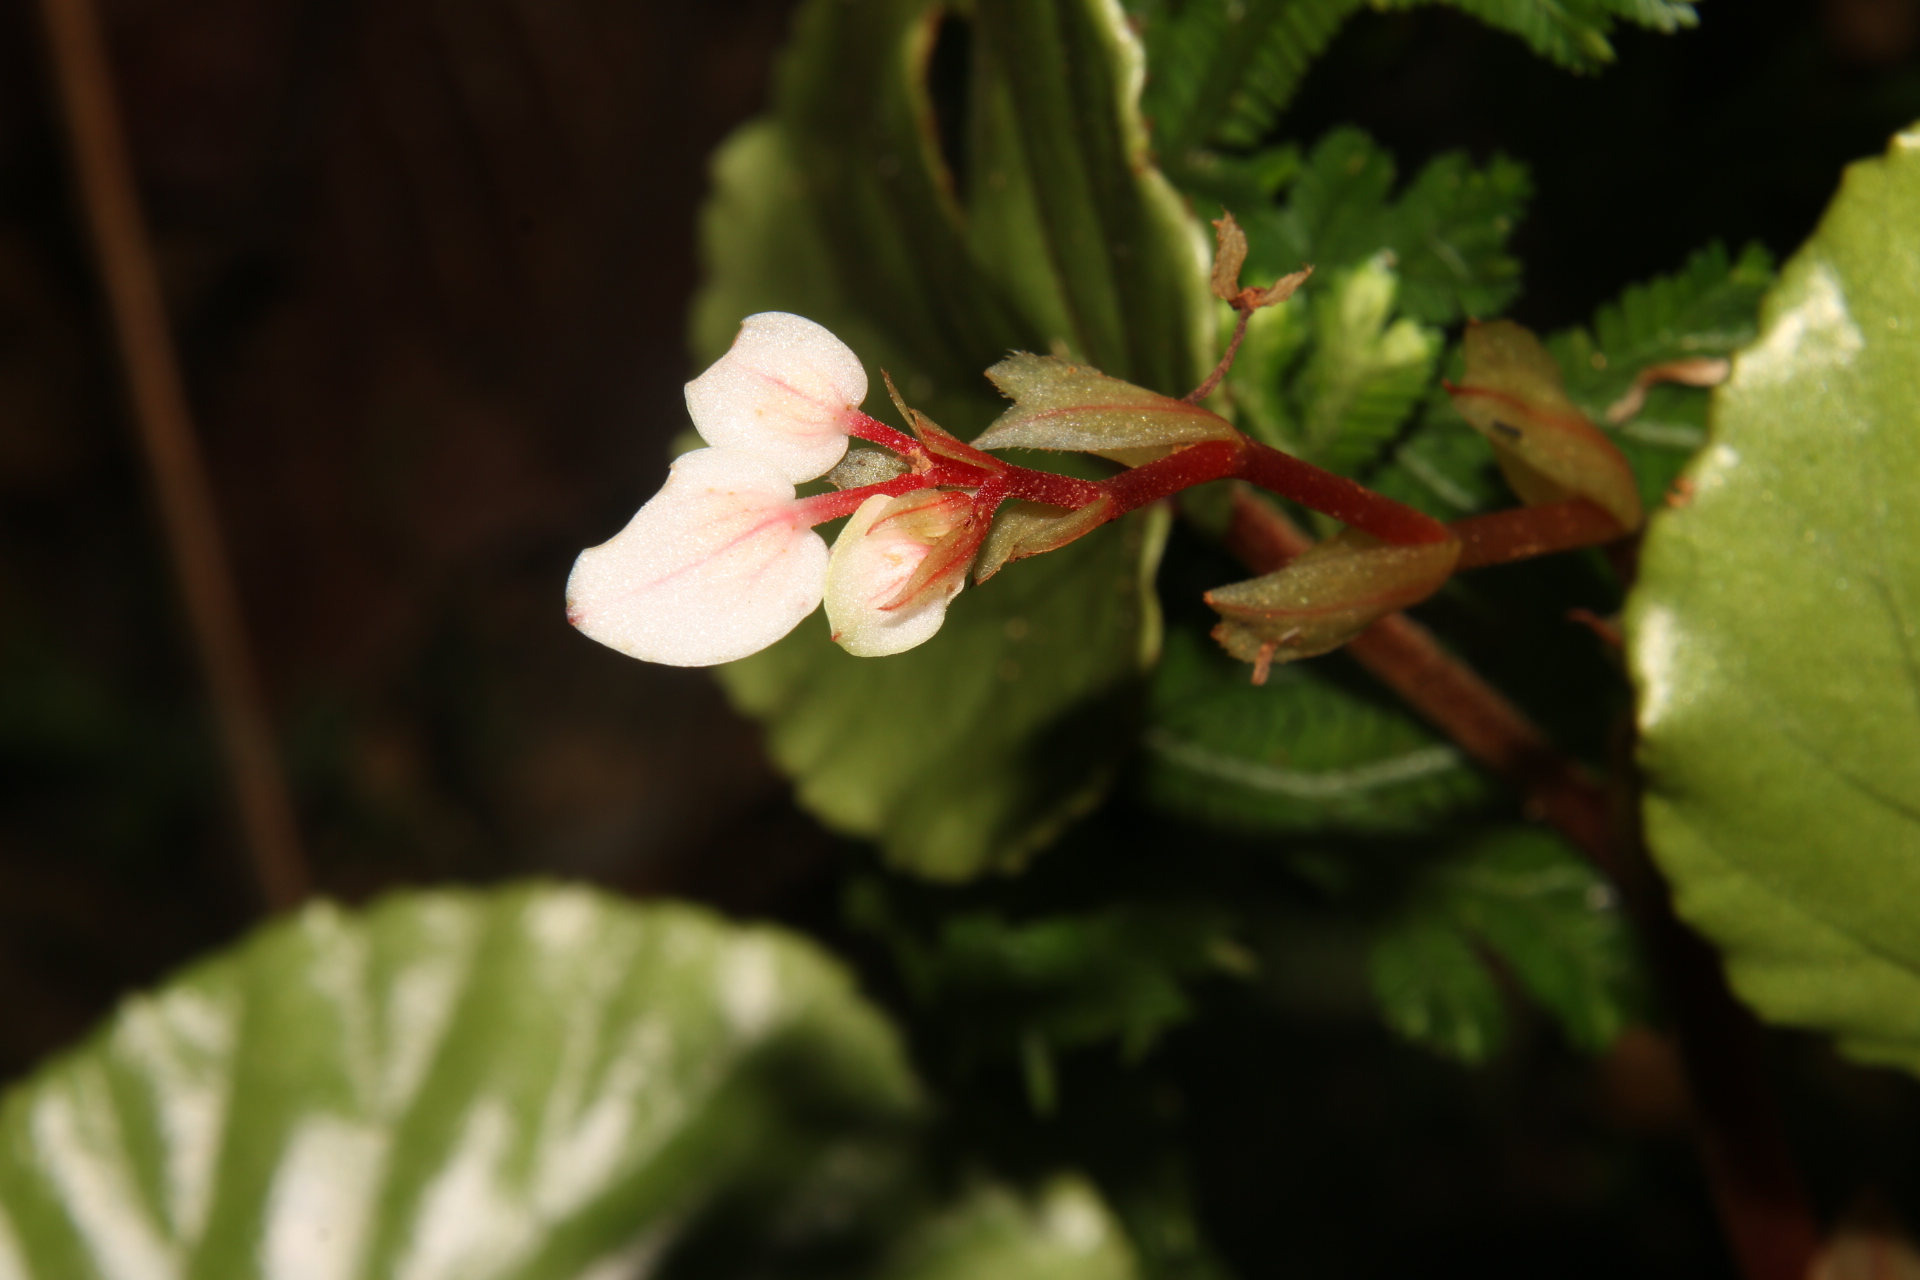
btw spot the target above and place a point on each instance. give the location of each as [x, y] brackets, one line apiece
[1343, 499]
[1054, 490]
[823, 507]
[872, 429]
[1522, 532]
[964, 466]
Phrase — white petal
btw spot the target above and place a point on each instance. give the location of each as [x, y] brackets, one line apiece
[867, 569]
[785, 390]
[719, 564]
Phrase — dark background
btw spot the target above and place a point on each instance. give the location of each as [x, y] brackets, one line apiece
[429, 263]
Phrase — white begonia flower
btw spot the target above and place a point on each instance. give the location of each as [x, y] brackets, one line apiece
[873, 559]
[717, 565]
[786, 390]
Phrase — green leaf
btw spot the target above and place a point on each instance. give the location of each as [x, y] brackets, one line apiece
[1062, 980]
[1571, 33]
[1450, 234]
[1063, 1231]
[1773, 639]
[972, 751]
[1363, 375]
[1520, 898]
[1707, 308]
[1299, 753]
[1434, 990]
[533, 1082]
[1047, 230]
[1222, 70]
[1446, 232]
[1060, 405]
[1443, 467]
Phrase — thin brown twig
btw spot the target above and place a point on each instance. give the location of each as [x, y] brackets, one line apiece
[131, 283]
[1221, 370]
[1763, 1206]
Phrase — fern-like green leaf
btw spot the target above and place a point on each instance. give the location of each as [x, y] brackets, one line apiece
[1443, 466]
[1707, 308]
[1450, 229]
[1299, 753]
[1519, 897]
[1333, 375]
[1571, 33]
[1365, 372]
[1446, 231]
[1220, 71]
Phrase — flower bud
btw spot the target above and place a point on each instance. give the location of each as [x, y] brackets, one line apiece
[878, 555]
[717, 565]
[787, 390]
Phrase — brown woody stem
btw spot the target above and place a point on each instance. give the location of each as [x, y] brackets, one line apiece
[182, 490]
[1763, 1206]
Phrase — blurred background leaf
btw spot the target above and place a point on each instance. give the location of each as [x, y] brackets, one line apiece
[1301, 753]
[533, 1082]
[1062, 1230]
[1027, 990]
[1517, 904]
[1226, 71]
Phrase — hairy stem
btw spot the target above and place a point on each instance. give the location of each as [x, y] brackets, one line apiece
[1520, 533]
[875, 431]
[823, 507]
[1345, 500]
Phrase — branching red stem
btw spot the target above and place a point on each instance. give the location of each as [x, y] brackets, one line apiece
[823, 507]
[1406, 657]
[878, 432]
[1763, 1206]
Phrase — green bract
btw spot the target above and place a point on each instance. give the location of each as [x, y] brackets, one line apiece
[1775, 643]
